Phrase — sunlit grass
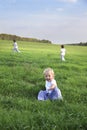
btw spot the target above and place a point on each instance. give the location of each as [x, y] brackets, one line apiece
[21, 78]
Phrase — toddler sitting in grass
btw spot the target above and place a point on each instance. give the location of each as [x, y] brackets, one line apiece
[52, 92]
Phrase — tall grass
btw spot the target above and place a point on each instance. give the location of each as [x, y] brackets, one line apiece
[21, 78]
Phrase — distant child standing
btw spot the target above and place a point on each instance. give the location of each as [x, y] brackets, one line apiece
[52, 92]
[15, 46]
[62, 52]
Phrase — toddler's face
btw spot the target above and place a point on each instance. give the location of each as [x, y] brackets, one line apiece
[49, 76]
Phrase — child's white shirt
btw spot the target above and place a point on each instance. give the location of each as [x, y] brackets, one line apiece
[15, 45]
[63, 50]
[48, 84]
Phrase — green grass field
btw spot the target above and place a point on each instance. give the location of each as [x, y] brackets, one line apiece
[21, 78]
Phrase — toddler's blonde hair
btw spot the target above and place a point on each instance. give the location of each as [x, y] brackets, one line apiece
[47, 70]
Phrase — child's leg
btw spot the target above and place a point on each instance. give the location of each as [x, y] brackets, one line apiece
[63, 59]
[55, 94]
[42, 95]
[17, 50]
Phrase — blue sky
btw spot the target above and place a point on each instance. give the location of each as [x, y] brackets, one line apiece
[60, 21]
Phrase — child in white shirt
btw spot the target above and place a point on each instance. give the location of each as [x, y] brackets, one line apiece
[52, 92]
[15, 46]
[62, 52]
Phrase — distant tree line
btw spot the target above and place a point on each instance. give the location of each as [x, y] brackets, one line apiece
[80, 44]
[83, 44]
[18, 38]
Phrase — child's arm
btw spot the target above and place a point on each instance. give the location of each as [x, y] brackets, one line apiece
[52, 87]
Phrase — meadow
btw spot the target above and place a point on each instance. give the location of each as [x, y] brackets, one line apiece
[21, 78]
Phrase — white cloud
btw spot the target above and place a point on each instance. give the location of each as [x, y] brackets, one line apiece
[73, 1]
